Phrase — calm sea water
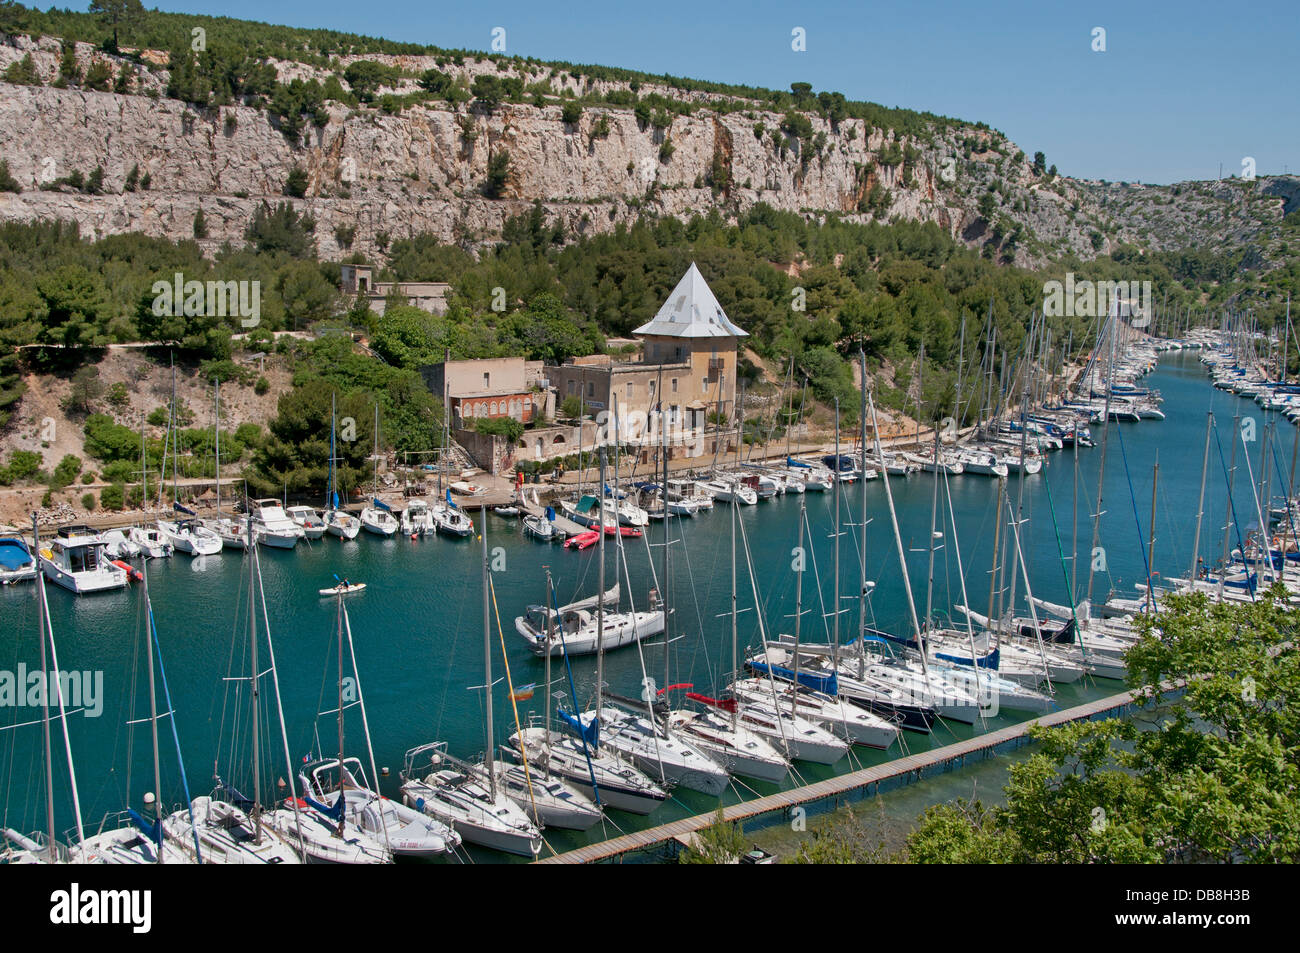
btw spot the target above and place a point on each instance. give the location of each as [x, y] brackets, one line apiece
[418, 627]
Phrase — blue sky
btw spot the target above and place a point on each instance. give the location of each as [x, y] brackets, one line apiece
[1180, 88]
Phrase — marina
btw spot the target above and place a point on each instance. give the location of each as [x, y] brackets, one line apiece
[416, 618]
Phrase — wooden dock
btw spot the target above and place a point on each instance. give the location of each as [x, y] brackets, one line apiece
[822, 796]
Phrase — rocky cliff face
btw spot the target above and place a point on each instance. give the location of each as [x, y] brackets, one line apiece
[424, 169]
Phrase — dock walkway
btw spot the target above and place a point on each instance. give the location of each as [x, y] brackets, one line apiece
[831, 793]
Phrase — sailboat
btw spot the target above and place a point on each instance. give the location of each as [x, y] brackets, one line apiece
[45, 847]
[645, 740]
[450, 519]
[185, 533]
[716, 728]
[228, 528]
[327, 832]
[468, 797]
[603, 777]
[229, 827]
[378, 517]
[338, 522]
[142, 839]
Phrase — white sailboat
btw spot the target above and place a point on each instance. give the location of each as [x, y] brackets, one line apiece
[378, 518]
[338, 522]
[465, 796]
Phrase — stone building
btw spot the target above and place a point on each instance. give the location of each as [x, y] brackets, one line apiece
[687, 371]
[492, 387]
[358, 280]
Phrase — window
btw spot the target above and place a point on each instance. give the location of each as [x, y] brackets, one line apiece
[629, 390]
[591, 389]
[493, 410]
[570, 388]
[487, 381]
[674, 385]
[362, 284]
[652, 390]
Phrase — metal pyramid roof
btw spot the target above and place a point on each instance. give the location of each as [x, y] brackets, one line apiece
[691, 311]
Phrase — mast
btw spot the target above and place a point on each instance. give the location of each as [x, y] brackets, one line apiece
[487, 661]
[835, 607]
[216, 430]
[1101, 472]
[44, 614]
[1227, 519]
[898, 542]
[550, 638]
[1151, 544]
[338, 626]
[934, 510]
[153, 702]
[600, 590]
[798, 601]
[1200, 503]
[862, 578]
[252, 637]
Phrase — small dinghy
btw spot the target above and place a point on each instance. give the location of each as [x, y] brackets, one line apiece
[583, 540]
[344, 589]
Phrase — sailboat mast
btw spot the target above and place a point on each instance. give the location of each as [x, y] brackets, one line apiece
[898, 542]
[550, 638]
[1101, 470]
[1200, 503]
[153, 697]
[835, 607]
[1227, 519]
[44, 613]
[798, 598]
[252, 637]
[338, 625]
[884, 473]
[600, 590]
[216, 432]
[1151, 544]
[934, 512]
[487, 660]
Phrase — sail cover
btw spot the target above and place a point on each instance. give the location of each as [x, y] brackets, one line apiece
[588, 733]
[381, 504]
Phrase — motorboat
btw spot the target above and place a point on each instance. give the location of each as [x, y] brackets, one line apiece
[75, 559]
[308, 520]
[273, 527]
[17, 564]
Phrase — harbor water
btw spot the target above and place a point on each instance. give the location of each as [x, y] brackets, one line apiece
[418, 626]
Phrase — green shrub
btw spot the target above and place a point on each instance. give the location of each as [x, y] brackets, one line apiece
[47, 500]
[262, 386]
[87, 478]
[118, 397]
[88, 501]
[112, 497]
[66, 471]
[24, 464]
[506, 427]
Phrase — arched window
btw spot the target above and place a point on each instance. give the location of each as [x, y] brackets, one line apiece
[494, 408]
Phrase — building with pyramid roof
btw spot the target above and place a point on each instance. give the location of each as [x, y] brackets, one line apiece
[687, 372]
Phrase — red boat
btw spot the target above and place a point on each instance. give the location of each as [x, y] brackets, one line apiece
[132, 573]
[583, 540]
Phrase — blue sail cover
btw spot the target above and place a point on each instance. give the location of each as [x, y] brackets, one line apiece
[381, 504]
[588, 733]
[153, 831]
[550, 513]
[989, 661]
[829, 684]
[450, 501]
[336, 500]
[183, 509]
[792, 462]
[334, 813]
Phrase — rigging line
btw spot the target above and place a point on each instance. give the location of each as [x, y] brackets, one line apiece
[1232, 507]
[167, 700]
[514, 704]
[1060, 551]
[1137, 519]
[568, 667]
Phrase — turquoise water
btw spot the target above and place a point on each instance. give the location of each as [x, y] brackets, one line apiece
[419, 634]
